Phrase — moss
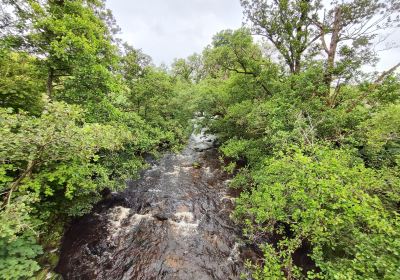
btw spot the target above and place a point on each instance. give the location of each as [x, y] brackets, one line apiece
[50, 240]
[196, 165]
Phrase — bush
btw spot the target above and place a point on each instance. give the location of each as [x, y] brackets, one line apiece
[324, 197]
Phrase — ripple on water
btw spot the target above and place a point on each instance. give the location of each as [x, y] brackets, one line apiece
[183, 223]
[171, 224]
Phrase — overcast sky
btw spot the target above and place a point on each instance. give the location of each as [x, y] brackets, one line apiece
[168, 29]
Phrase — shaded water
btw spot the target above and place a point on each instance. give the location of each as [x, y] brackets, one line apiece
[173, 223]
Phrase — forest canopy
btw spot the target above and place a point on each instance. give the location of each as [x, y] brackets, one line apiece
[311, 138]
[79, 112]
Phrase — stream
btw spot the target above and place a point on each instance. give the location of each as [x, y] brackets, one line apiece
[172, 223]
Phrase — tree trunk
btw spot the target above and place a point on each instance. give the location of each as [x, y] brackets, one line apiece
[297, 65]
[332, 48]
[301, 35]
[292, 68]
[14, 185]
[49, 86]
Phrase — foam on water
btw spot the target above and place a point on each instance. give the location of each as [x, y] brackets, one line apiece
[173, 223]
[116, 217]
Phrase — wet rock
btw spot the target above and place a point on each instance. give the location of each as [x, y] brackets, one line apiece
[162, 216]
[202, 147]
[173, 223]
[203, 142]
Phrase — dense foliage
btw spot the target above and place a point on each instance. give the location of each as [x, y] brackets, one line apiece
[313, 141]
[78, 113]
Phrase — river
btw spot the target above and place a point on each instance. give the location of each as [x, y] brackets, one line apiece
[172, 223]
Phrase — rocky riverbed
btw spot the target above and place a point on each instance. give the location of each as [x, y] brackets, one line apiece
[173, 223]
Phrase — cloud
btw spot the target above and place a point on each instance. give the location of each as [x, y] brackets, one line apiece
[168, 29]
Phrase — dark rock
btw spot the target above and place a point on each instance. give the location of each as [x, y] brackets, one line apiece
[162, 216]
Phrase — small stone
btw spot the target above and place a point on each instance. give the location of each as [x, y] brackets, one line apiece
[161, 216]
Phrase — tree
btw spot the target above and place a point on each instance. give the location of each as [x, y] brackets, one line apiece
[146, 92]
[77, 113]
[48, 160]
[72, 40]
[190, 69]
[235, 51]
[134, 63]
[182, 69]
[21, 84]
[286, 24]
[347, 32]
[325, 197]
[319, 180]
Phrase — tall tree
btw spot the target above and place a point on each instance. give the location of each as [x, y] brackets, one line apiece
[72, 38]
[349, 33]
[235, 51]
[286, 24]
[190, 69]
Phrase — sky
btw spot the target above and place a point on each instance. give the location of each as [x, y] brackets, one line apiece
[168, 29]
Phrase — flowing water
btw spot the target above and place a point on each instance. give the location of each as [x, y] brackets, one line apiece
[173, 223]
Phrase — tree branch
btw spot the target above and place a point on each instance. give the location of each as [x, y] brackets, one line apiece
[386, 73]
[372, 87]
